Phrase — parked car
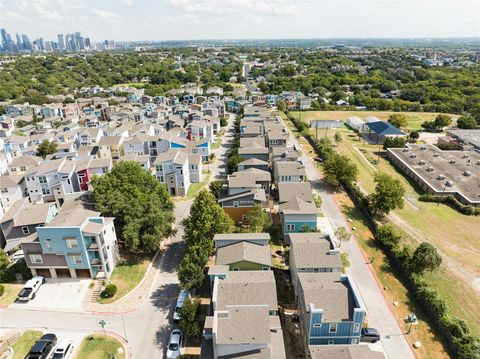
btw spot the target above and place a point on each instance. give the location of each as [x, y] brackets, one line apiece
[30, 288]
[42, 347]
[64, 350]
[182, 297]
[370, 335]
[174, 344]
[18, 256]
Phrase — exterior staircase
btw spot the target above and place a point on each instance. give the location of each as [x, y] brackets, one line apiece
[97, 289]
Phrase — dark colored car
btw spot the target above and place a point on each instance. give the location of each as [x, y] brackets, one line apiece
[370, 335]
[42, 348]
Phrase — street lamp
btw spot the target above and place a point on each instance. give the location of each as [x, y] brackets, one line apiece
[412, 319]
[102, 324]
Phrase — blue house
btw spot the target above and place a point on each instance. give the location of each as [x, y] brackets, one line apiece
[297, 214]
[78, 242]
[331, 310]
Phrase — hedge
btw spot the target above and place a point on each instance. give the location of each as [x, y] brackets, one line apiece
[452, 201]
[454, 331]
[2, 289]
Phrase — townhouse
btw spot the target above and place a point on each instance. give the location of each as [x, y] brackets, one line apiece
[78, 242]
[172, 169]
[10, 192]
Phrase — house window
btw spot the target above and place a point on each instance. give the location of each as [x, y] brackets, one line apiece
[354, 341]
[317, 325]
[48, 243]
[333, 328]
[265, 268]
[25, 230]
[244, 217]
[356, 327]
[72, 243]
[235, 204]
[76, 259]
[4, 190]
[13, 169]
[45, 191]
[302, 270]
[235, 269]
[42, 179]
[36, 258]
[290, 227]
[331, 342]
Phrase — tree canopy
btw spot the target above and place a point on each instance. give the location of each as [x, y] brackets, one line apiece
[339, 169]
[141, 206]
[46, 148]
[398, 120]
[388, 195]
[426, 258]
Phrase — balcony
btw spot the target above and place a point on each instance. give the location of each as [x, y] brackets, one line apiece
[93, 246]
[96, 262]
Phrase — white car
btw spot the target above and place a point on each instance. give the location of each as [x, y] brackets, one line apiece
[30, 288]
[18, 256]
[175, 344]
[64, 350]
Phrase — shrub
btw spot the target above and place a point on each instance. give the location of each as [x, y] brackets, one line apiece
[2, 289]
[109, 291]
[453, 202]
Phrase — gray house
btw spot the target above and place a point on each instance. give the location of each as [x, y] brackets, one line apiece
[249, 179]
[288, 171]
[20, 222]
[254, 151]
[253, 163]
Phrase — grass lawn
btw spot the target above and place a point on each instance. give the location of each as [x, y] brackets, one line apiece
[195, 188]
[217, 143]
[24, 343]
[415, 119]
[10, 294]
[100, 347]
[132, 84]
[126, 276]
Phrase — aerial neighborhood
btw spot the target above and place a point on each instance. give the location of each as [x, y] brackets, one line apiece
[206, 200]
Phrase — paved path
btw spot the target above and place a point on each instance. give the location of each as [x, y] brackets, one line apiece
[379, 314]
[146, 324]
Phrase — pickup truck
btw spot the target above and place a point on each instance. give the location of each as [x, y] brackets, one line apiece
[30, 288]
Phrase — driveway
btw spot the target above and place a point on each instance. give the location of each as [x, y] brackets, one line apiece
[58, 294]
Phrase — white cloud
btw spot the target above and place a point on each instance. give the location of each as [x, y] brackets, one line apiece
[252, 7]
[107, 15]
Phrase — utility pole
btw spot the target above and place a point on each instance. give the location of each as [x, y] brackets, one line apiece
[102, 324]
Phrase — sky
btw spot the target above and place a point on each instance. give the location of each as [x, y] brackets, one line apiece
[130, 20]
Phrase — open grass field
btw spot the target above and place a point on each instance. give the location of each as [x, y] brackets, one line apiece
[126, 276]
[10, 294]
[100, 347]
[23, 344]
[415, 119]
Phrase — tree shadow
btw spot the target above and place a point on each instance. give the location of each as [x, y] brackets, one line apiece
[164, 298]
[172, 256]
[161, 338]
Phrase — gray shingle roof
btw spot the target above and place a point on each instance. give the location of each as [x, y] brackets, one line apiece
[312, 250]
[244, 251]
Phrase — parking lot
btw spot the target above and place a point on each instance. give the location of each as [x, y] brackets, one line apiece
[58, 294]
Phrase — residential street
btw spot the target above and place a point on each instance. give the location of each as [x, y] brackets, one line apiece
[378, 313]
[147, 328]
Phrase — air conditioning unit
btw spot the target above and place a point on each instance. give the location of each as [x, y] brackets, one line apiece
[423, 148]
[413, 155]
[452, 161]
[421, 162]
[429, 169]
[441, 177]
[467, 173]
[449, 184]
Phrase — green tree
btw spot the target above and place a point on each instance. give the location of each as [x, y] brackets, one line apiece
[337, 138]
[342, 235]
[46, 148]
[141, 206]
[388, 235]
[398, 120]
[188, 314]
[426, 258]
[339, 170]
[216, 187]
[394, 142]
[190, 273]
[388, 195]
[206, 219]
[4, 264]
[466, 122]
[281, 106]
[414, 136]
[442, 120]
[258, 220]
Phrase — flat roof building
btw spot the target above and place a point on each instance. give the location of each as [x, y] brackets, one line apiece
[441, 172]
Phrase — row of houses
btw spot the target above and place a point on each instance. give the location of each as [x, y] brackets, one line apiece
[40, 210]
[269, 170]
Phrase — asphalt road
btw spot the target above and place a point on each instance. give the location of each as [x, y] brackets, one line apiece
[146, 329]
[378, 313]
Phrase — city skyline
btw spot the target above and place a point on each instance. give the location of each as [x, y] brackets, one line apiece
[211, 19]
